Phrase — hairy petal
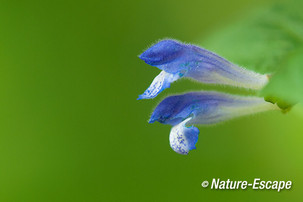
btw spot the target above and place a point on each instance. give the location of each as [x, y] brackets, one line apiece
[191, 61]
[182, 138]
[207, 108]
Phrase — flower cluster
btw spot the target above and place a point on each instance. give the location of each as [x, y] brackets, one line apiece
[178, 60]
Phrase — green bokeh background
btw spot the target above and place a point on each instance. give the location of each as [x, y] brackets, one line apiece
[72, 129]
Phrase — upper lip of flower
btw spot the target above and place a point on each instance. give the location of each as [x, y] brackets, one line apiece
[150, 60]
[162, 53]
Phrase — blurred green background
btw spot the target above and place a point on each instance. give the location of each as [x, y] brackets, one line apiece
[72, 129]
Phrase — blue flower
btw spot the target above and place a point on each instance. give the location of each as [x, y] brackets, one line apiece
[177, 60]
[204, 108]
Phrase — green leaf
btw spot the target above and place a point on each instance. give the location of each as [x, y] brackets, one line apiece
[269, 40]
[288, 82]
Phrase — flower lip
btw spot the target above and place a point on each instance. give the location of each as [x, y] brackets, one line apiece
[161, 82]
[163, 52]
[183, 138]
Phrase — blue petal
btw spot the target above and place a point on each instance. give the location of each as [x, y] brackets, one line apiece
[182, 138]
[200, 64]
[161, 82]
[207, 108]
